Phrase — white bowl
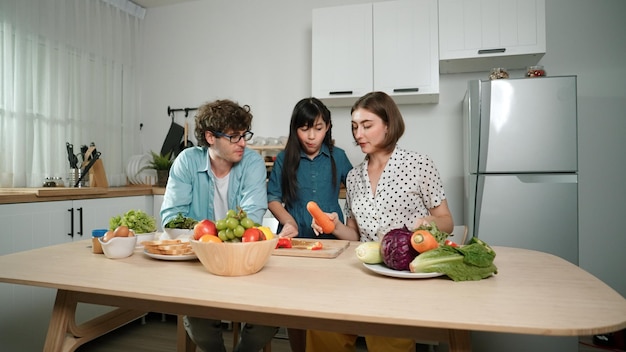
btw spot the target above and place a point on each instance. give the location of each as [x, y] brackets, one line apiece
[173, 234]
[119, 247]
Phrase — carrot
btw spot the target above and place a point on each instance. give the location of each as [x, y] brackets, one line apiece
[423, 241]
[327, 225]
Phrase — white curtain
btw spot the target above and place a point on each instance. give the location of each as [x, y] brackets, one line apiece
[68, 73]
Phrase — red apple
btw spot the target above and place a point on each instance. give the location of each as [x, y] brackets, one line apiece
[253, 234]
[204, 227]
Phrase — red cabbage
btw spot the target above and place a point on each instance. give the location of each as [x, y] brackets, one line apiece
[396, 249]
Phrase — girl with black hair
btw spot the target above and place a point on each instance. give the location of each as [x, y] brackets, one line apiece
[310, 168]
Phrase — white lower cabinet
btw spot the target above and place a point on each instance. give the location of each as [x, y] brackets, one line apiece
[26, 310]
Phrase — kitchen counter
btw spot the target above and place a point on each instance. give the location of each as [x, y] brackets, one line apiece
[47, 194]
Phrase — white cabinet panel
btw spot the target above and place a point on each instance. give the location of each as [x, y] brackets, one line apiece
[342, 51]
[26, 310]
[390, 46]
[406, 59]
[476, 35]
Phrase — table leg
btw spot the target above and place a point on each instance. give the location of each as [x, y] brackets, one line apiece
[63, 322]
[459, 341]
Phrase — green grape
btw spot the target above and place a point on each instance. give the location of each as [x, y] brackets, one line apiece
[221, 224]
[222, 235]
[232, 223]
[247, 222]
[230, 234]
[239, 230]
[231, 213]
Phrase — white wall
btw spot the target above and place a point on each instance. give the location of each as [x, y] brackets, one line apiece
[259, 53]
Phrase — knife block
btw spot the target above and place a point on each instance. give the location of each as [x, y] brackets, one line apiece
[97, 175]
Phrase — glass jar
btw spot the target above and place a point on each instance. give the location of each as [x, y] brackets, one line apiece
[498, 73]
[535, 71]
[95, 243]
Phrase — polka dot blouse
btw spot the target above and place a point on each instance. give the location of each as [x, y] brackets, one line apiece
[409, 185]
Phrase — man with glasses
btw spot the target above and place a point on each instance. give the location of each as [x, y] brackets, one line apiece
[205, 181]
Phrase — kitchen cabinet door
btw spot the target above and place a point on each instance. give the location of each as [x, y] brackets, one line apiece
[406, 60]
[390, 46]
[27, 309]
[476, 35]
[342, 53]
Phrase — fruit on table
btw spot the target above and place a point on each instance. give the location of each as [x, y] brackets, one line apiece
[267, 232]
[210, 238]
[204, 227]
[253, 234]
[232, 228]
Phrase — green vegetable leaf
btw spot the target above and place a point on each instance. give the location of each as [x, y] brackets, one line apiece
[439, 235]
[181, 222]
[465, 263]
[136, 220]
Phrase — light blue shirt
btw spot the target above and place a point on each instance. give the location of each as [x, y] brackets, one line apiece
[191, 186]
[315, 182]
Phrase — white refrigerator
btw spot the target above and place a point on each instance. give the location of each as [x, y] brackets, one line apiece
[521, 163]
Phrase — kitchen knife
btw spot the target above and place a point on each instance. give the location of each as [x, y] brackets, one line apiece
[70, 155]
[95, 156]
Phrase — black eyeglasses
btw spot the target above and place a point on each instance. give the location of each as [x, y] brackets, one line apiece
[235, 138]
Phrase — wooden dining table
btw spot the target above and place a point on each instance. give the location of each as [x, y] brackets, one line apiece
[532, 293]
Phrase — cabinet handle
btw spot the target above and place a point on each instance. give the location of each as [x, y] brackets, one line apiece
[80, 221]
[491, 51]
[405, 90]
[341, 92]
[71, 234]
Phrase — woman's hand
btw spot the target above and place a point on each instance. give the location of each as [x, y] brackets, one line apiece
[290, 229]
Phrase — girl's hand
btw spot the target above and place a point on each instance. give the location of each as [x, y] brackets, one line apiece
[318, 229]
[289, 230]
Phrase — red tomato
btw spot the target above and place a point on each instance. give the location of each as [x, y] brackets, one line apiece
[450, 243]
[204, 227]
[284, 242]
[317, 245]
[252, 235]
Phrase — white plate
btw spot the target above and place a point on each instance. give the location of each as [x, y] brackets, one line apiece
[382, 269]
[171, 257]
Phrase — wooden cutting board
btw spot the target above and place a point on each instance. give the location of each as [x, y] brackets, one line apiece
[61, 191]
[331, 249]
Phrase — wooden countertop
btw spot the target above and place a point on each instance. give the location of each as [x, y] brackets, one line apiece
[47, 194]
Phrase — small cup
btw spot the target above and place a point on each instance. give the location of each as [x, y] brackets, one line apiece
[95, 243]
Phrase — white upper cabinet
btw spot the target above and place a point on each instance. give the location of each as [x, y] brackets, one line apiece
[476, 35]
[342, 52]
[390, 46]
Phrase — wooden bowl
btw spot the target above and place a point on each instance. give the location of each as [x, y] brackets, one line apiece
[234, 259]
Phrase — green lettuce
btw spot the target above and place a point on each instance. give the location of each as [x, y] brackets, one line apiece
[466, 263]
[136, 220]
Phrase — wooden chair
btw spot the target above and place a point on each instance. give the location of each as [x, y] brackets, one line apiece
[459, 234]
[185, 344]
